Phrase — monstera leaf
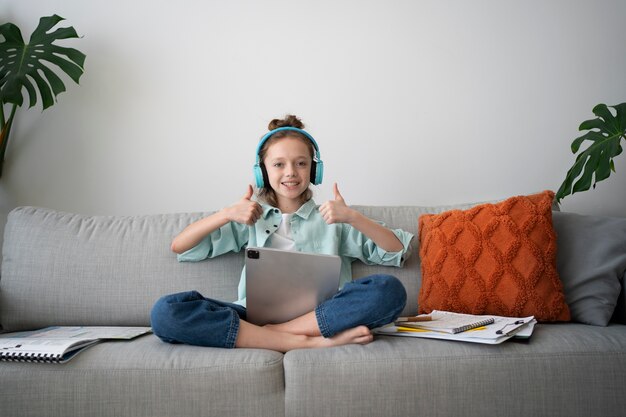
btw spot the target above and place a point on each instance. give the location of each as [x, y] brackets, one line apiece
[22, 63]
[596, 162]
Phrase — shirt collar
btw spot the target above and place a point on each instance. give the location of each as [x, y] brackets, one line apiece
[304, 211]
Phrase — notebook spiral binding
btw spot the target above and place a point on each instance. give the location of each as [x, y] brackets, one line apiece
[29, 357]
[473, 325]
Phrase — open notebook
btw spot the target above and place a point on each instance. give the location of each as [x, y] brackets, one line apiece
[61, 343]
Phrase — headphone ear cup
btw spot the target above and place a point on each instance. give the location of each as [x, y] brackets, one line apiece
[313, 172]
[258, 176]
[266, 179]
[319, 172]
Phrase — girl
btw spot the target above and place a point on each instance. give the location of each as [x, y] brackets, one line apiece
[287, 162]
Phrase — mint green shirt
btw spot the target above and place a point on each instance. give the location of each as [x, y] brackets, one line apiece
[310, 233]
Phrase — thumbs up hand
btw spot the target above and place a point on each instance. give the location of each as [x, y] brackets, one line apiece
[336, 211]
[244, 211]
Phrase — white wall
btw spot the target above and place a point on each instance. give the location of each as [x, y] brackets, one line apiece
[412, 101]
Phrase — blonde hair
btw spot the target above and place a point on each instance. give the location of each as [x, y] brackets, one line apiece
[267, 193]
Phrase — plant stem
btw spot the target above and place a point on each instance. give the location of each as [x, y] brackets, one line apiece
[4, 135]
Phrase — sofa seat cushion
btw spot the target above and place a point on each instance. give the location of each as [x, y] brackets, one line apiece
[563, 370]
[146, 377]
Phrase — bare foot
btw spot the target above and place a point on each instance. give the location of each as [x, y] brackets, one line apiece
[357, 335]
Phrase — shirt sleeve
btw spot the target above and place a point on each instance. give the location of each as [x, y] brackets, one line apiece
[356, 245]
[231, 237]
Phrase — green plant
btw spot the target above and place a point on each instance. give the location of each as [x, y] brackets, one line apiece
[596, 162]
[22, 63]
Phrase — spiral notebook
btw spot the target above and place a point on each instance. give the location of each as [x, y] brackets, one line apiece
[449, 322]
[59, 344]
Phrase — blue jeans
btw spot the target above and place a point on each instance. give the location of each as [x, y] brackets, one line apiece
[190, 318]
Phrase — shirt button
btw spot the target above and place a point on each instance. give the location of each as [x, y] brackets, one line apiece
[267, 231]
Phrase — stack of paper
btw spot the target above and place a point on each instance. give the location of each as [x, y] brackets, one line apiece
[487, 329]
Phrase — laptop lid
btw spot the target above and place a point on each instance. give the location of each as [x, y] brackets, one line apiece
[282, 285]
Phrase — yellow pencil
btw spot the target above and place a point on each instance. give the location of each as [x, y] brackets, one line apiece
[410, 329]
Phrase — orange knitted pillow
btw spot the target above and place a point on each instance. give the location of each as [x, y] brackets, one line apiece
[495, 259]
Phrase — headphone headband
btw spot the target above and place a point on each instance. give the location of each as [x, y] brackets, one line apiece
[282, 129]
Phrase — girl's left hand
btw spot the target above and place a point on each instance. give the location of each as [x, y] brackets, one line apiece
[336, 211]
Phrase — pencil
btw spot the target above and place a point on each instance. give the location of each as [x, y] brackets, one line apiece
[411, 329]
[413, 319]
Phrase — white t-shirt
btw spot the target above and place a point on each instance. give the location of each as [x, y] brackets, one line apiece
[282, 239]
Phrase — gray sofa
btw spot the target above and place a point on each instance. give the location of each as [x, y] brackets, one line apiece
[68, 269]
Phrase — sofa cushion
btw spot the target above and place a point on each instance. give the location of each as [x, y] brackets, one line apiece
[493, 259]
[591, 260]
[146, 377]
[563, 370]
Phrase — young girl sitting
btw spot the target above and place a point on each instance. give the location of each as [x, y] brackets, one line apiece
[287, 162]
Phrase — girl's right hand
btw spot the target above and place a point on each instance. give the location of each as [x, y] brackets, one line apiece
[245, 211]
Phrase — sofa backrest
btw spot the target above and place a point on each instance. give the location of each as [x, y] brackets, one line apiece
[70, 269]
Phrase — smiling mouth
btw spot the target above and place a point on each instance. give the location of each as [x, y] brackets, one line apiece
[290, 183]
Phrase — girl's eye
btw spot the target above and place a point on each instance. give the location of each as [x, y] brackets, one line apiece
[278, 164]
[302, 163]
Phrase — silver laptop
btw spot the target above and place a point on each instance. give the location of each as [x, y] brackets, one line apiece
[282, 285]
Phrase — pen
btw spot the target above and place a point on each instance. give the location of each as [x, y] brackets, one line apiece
[413, 319]
[501, 331]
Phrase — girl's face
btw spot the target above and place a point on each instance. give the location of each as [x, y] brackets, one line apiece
[288, 164]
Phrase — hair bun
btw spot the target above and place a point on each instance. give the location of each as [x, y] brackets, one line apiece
[290, 120]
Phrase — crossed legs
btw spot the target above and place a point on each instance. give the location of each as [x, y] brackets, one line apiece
[346, 318]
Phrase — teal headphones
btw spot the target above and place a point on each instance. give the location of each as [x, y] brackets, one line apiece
[317, 166]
